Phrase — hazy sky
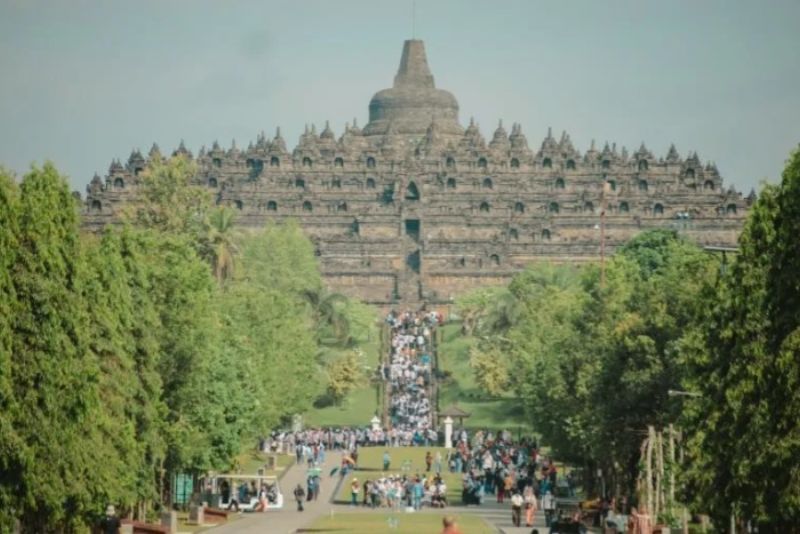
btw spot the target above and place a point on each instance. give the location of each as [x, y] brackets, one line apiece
[82, 82]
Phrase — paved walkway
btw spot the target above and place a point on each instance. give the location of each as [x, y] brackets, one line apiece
[288, 520]
[499, 516]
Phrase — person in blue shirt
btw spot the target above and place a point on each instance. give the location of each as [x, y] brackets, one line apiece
[387, 460]
[419, 491]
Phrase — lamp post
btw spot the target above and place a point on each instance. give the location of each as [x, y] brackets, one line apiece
[603, 207]
[695, 394]
[681, 393]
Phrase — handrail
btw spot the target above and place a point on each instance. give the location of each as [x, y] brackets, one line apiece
[385, 347]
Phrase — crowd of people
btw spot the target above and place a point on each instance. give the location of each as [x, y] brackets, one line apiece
[490, 465]
[408, 372]
[346, 438]
[399, 491]
[497, 465]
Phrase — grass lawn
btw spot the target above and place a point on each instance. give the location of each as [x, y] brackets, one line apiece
[361, 404]
[369, 523]
[460, 388]
[185, 526]
[251, 461]
[370, 466]
[356, 410]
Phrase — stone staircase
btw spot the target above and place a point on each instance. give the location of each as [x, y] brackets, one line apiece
[409, 281]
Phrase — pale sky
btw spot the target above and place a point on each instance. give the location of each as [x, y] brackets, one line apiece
[82, 82]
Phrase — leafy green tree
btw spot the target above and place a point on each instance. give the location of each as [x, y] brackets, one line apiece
[148, 409]
[345, 374]
[282, 257]
[641, 341]
[491, 370]
[549, 361]
[743, 428]
[181, 282]
[330, 315]
[12, 449]
[169, 202]
[54, 381]
[592, 365]
[221, 243]
[474, 307]
[269, 324]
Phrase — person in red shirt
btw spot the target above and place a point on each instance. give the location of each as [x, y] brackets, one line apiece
[450, 526]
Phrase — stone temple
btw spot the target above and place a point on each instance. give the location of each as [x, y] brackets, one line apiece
[415, 207]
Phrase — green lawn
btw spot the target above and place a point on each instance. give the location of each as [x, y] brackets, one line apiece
[460, 388]
[411, 523]
[370, 466]
[249, 462]
[361, 404]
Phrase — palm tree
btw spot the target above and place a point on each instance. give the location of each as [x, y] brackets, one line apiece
[328, 314]
[503, 313]
[221, 243]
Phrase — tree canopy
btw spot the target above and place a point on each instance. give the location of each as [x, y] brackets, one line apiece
[140, 352]
[744, 425]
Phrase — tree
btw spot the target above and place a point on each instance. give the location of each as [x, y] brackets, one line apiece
[282, 257]
[12, 448]
[743, 428]
[54, 381]
[331, 317]
[642, 339]
[491, 370]
[221, 243]
[183, 295]
[167, 201]
[345, 374]
[268, 323]
[590, 363]
[475, 306]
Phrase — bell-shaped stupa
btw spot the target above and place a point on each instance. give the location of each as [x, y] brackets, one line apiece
[414, 101]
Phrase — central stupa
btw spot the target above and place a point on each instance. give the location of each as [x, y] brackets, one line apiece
[414, 102]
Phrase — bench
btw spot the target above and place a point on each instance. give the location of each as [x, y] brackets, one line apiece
[215, 515]
[139, 527]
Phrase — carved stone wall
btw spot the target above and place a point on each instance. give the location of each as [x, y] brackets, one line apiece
[415, 207]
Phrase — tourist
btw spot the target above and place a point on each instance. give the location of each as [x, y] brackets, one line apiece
[428, 461]
[516, 508]
[439, 497]
[355, 489]
[367, 491]
[530, 503]
[639, 522]
[549, 506]
[299, 496]
[376, 493]
[437, 463]
[387, 460]
[450, 526]
[419, 492]
[111, 523]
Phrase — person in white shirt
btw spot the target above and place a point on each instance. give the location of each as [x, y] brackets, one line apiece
[516, 508]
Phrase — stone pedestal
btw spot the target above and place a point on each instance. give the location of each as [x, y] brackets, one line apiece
[169, 519]
[196, 515]
[376, 423]
[448, 432]
[297, 423]
[272, 462]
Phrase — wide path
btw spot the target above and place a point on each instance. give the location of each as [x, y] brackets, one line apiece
[499, 516]
[288, 520]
